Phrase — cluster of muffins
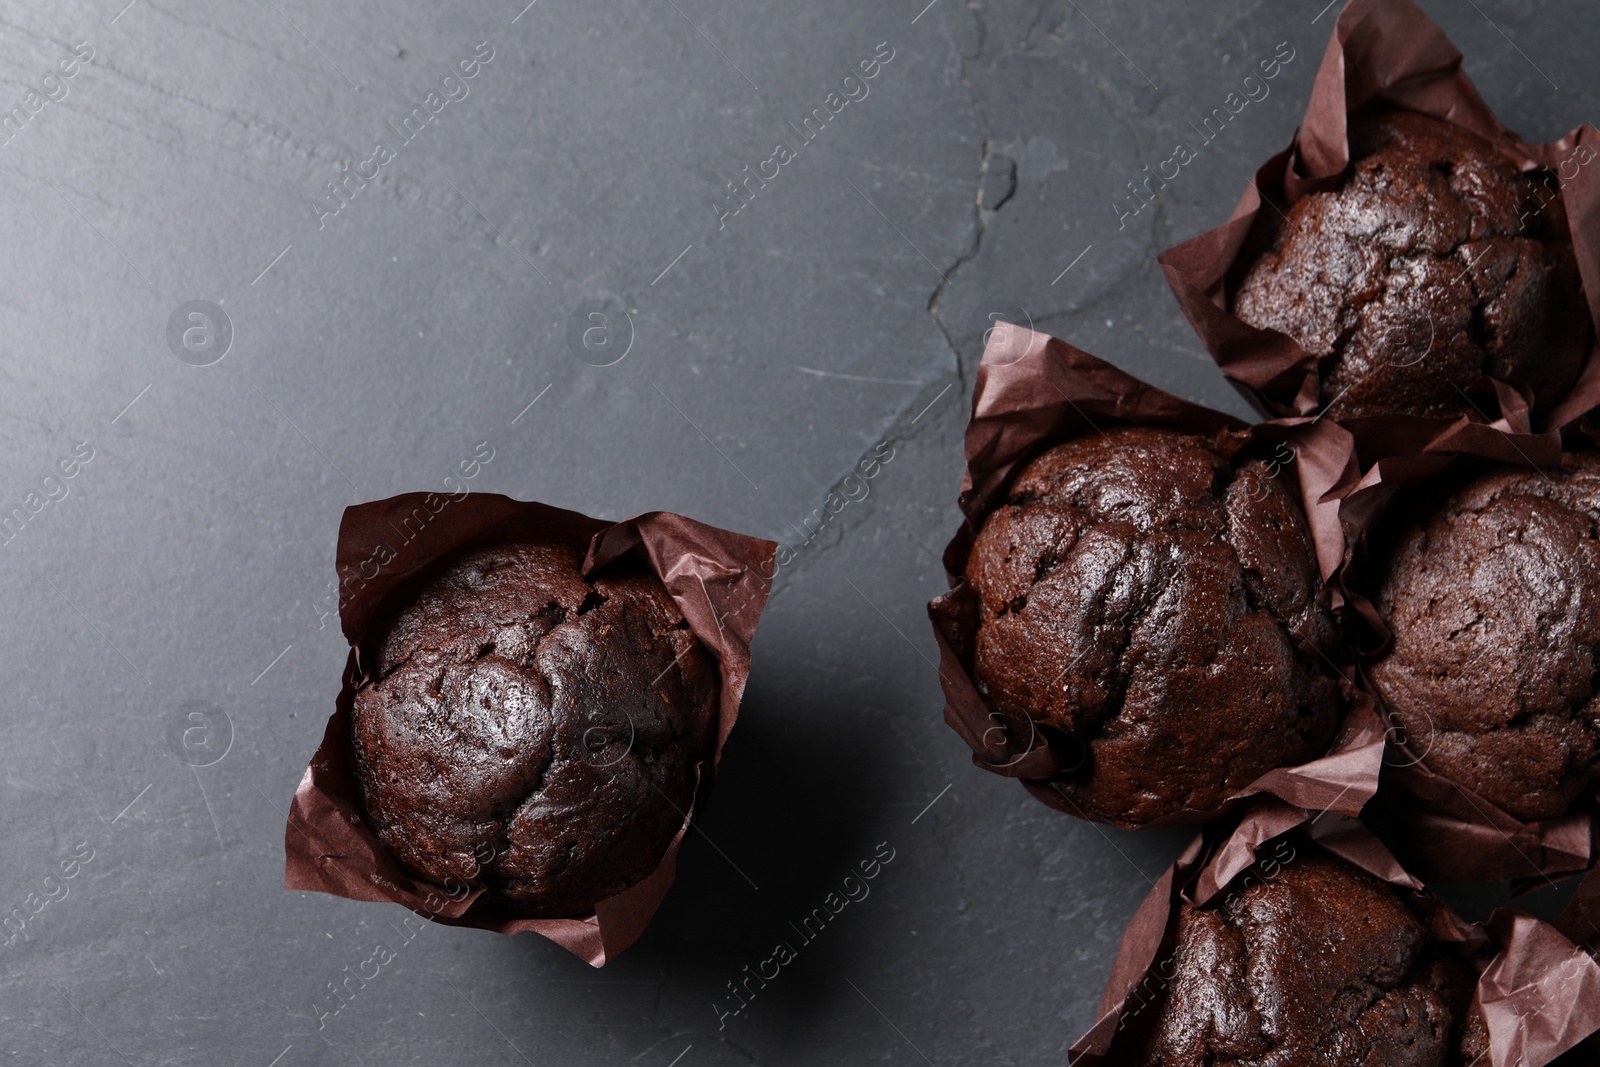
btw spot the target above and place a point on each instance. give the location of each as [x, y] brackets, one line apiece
[1183, 625]
[1150, 600]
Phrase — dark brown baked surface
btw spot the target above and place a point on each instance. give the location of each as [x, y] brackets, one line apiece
[1494, 602]
[532, 732]
[1435, 262]
[1139, 591]
[1322, 964]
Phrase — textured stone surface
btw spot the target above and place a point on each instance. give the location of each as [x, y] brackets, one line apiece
[168, 637]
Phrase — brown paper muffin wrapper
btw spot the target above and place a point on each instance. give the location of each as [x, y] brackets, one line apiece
[1580, 919]
[1384, 52]
[719, 581]
[1538, 993]
[1451, 834]
[1033, 391]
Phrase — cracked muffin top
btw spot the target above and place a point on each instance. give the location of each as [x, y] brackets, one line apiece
[1433, 263]
[532, 732]
[1322, 963]
[1158, 602]
[1494, 602]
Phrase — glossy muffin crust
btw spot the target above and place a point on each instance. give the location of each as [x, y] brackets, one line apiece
[1323, 964]
[1434, 262]
[1144, 594]
[533, 732]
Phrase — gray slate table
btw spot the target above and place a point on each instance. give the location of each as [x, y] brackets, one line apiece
[355, 344]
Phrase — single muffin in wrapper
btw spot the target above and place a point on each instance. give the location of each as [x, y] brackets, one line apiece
[1143, 598]
[1286, 936]
[532, 713]
[1406, 255]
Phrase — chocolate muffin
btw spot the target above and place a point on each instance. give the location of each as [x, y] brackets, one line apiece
[1433, 263]
[1156, 607]
[533, 732]
[1322, 964]
[1494, 602]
